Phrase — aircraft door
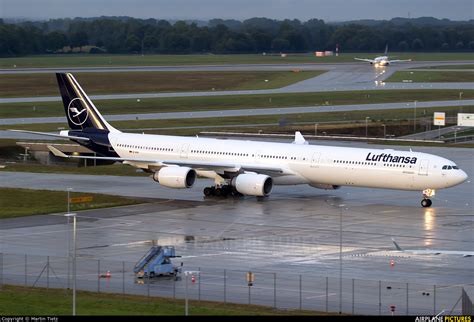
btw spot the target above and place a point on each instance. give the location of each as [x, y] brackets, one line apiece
[184, 151]
[315, 160]
[423, 171]
[258, 155]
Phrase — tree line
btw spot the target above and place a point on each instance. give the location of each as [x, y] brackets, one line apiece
[256, 35]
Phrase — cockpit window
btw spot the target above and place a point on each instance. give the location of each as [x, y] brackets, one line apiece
[448, 167]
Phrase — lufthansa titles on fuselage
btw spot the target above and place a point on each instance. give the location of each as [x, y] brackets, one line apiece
[390, 158]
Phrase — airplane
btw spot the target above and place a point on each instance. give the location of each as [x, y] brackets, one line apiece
[382, 60]
[249, 168]
[433, 251]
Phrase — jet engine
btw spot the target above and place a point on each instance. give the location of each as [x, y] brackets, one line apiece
[175, 177]
[253, 184]
[325, 186]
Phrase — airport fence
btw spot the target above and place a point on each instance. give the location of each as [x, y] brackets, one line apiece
[278, 290]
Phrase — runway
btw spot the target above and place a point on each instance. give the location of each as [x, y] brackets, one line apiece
[228, 67]
[248, 112]
[339, 77]
[293, 232]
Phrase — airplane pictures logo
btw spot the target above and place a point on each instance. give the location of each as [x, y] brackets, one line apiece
[77, 112]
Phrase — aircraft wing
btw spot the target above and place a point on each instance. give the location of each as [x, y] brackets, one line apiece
[52, 134]
[197, 165]
[398, 60]
[433, 251]
[365, 59]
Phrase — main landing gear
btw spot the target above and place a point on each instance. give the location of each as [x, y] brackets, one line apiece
[427, 194]
[221, 191]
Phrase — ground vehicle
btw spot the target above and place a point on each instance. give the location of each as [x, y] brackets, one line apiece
[157, 262]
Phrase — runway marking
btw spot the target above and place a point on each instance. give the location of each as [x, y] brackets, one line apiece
[143, 242]
[320, 296]
[216, 254]
[120, 218]
[58, 231]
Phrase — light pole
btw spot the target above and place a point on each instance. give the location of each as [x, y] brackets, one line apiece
[68, 201]
[341, 206]
[68, 239]
[316, 129]
[340, 258]
[73, 263]
[366, 125]
[384, 131]
[414, 118]
[460, 97]
[186, 273]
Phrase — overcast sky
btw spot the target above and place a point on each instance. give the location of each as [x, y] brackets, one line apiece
[329, 10]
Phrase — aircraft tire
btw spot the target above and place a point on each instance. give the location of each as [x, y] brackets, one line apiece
[425, 203]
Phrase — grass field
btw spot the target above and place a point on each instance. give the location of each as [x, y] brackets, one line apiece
[209, 59]
[26, 202]
[151, 82]
[432, 76]
[20, 301]
[145, 126]
[209, 103]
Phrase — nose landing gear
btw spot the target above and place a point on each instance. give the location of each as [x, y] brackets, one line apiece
[425, 203]
[427, 194]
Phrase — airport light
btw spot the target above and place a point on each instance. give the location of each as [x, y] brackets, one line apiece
[73, 263]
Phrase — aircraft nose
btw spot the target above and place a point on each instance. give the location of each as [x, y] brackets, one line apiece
[461, 177]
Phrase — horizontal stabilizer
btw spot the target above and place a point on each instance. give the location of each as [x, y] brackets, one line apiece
[52, 134]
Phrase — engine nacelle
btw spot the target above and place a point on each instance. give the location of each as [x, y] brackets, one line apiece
[324, 186]
[253, 184]
[175, 177]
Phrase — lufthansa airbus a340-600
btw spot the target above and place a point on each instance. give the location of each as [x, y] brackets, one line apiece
[249, 167]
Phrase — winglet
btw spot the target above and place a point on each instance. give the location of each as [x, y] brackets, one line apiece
[299, 138]
[56, 152]
[396, 245]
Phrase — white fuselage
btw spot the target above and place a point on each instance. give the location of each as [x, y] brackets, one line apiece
[305, 164]
[381, 60]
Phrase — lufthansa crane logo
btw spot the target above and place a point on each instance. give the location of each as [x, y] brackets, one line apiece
[77, 111]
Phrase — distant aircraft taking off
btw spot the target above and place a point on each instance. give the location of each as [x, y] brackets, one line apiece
[249, 168]
[382, 60]
[467, 253]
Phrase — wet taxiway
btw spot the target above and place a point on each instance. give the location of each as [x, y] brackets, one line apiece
[295, 232]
